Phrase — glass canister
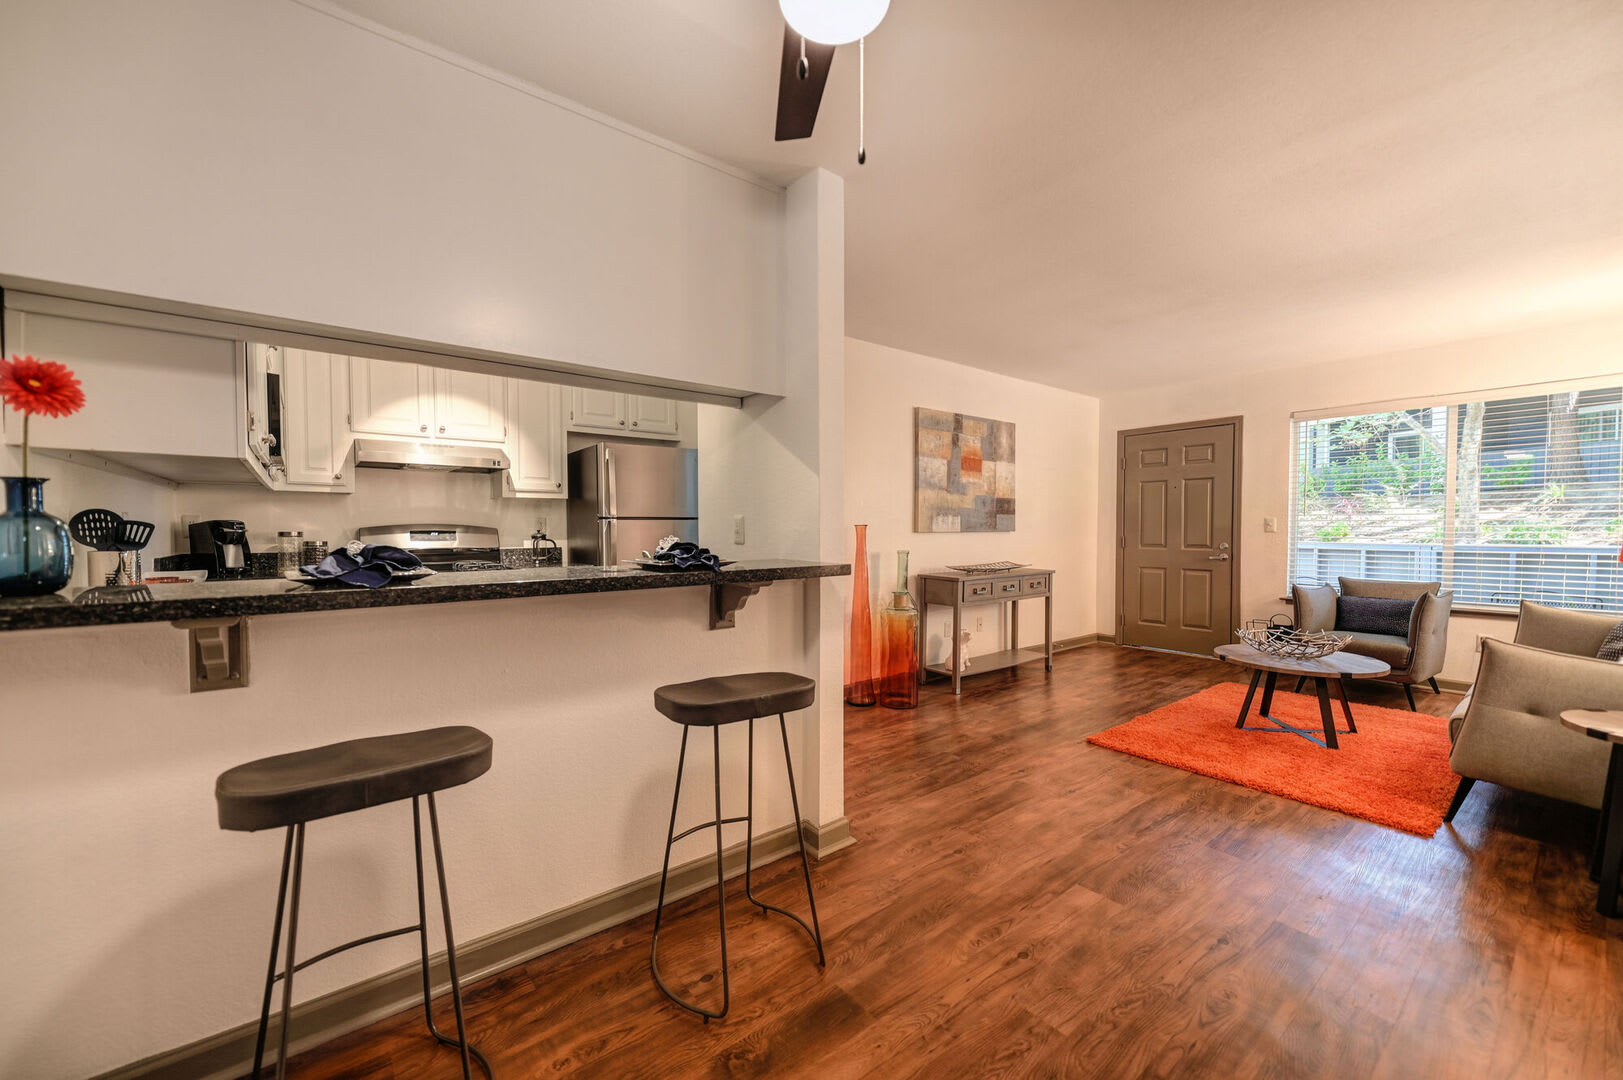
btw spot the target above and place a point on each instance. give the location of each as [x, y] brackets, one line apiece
[289, 549]
[313, 552]
[899, 645]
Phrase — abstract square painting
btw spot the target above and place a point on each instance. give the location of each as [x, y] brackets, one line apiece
[964, 476]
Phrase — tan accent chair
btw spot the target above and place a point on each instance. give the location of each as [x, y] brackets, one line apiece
[1414, 658]
[1508, 729]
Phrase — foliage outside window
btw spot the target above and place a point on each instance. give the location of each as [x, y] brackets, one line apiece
[1501, 500]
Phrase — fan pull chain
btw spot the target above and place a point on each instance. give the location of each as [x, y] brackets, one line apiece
[862, 101]
[803, 68]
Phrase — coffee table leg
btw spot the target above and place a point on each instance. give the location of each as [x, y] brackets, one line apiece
[1324, 712]
[1600, 826]
[1250, 692]
[1611, 864]
[1346, 706]
[1268, 694]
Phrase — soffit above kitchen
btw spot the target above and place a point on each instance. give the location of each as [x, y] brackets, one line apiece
[1104, 196]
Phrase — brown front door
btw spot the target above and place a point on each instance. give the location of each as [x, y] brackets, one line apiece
[1175, 577]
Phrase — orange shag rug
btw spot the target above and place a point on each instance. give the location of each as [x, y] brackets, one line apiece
[1393, 772]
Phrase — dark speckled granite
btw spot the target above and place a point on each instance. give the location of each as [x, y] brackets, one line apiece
[228, 599]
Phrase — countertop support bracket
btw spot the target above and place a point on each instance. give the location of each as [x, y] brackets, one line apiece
[726, 600]
[217, 652]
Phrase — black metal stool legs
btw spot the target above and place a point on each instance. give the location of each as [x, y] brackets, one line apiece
[672, 836]
[461, 1040]
[287, 899]
[805, 866]
[276, 943]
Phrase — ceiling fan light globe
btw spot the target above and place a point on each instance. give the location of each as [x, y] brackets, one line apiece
[833, 22]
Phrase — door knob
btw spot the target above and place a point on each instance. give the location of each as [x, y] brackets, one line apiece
[1218, 558]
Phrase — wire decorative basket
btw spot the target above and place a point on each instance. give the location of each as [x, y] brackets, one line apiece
[1290, 643]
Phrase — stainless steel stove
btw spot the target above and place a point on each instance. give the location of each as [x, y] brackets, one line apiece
[442, 547]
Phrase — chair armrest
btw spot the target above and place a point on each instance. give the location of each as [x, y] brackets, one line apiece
[1428, 634]
[1315, 607]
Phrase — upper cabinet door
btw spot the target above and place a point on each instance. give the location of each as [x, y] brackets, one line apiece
[315, 437]
[652, 416]
[535, 440]
[469, 407]
[598, 410]
[389, 398]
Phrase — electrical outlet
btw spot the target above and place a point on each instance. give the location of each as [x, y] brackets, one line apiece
[1270, 524]
[980, 622]
[738, 528]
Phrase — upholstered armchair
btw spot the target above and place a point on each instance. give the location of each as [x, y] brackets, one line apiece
[1508, 729]
[1413, 650]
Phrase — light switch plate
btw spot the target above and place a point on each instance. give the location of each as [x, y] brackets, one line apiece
[1270, 524]
[738, 528]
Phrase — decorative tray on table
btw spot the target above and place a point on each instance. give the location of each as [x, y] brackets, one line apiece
[398, 575]
[988, 567]
[657, 564]
[1288, 643]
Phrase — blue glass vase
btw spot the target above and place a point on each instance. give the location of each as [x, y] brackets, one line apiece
[36, 552]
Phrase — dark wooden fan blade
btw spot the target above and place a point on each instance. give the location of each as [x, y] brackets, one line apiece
[798, 98]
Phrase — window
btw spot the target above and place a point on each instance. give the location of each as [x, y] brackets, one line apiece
[1500, 499]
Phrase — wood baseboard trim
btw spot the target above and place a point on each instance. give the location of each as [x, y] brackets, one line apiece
[1084, 639]
[230, 1053]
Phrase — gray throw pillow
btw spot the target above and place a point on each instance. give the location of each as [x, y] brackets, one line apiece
[1374, 615]
[1612, 648]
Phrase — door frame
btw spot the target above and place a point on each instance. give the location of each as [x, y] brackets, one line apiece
[1122, 435]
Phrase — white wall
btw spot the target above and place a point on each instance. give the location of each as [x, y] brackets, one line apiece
[1267, 400]
[1056, 483]
[265, 156]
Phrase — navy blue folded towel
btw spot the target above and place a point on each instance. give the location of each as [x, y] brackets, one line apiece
[372, 568]
[688, 556]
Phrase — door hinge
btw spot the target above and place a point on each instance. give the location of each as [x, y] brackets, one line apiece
[1121, 541]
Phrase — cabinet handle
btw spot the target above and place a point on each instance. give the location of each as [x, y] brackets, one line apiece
[337, 476]
[622, 423]
[424, 428]
[633, 423]
[559, 485]
[442, 429]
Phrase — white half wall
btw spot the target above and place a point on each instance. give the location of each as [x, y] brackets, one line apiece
[1056, 484]
[270, 157]
[1266, 401]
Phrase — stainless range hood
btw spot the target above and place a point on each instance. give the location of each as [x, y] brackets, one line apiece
[428, 456]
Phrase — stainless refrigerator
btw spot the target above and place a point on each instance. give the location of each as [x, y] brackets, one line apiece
[624, 498]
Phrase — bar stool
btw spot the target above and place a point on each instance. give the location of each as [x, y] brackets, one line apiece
[711, 703]
[289, 790]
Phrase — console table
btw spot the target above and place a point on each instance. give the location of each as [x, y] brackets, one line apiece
[959, 590]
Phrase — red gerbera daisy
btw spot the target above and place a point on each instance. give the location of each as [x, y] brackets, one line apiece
[40, 387]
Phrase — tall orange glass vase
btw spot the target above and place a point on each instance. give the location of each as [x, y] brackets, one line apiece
[859, 642]
[899, 645]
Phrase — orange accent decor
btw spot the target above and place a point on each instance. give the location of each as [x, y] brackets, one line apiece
[1393, 772]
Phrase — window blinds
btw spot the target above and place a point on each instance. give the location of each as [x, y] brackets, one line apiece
[1501, 500]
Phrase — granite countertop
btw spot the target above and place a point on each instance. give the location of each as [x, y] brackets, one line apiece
[229, 599]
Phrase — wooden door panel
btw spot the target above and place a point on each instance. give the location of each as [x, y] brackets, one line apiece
[1152, 514]
[1152, 596]
[1178, 521]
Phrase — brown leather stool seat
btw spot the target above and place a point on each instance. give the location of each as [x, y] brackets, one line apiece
[726, 699]
[711, 703]
[288, 790]
[274, 792]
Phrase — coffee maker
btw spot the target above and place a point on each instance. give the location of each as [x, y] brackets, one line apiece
[221, 548]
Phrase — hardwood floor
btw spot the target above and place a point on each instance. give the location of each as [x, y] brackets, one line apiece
[1023, 904]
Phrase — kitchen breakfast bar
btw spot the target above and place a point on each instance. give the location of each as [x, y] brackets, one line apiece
[143, 890]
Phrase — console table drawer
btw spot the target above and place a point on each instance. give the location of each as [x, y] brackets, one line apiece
[1008, 587]
[1031, 585]
[978, 590]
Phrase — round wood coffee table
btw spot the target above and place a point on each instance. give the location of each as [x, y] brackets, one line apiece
[1608, 861]
[1339, 667]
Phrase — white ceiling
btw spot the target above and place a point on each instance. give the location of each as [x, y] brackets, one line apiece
[1110, 194]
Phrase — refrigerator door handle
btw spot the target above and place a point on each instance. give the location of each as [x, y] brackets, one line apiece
[608, 482]
[605, 542]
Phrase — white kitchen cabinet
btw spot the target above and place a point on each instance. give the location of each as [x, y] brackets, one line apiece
[469, 407]
[389, 398]
[597, 410]
[651, 416]
[535, 441]
[316, 440]
[623, 414]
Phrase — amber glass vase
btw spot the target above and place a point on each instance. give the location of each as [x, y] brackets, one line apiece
[859, 642]
[899, 645]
